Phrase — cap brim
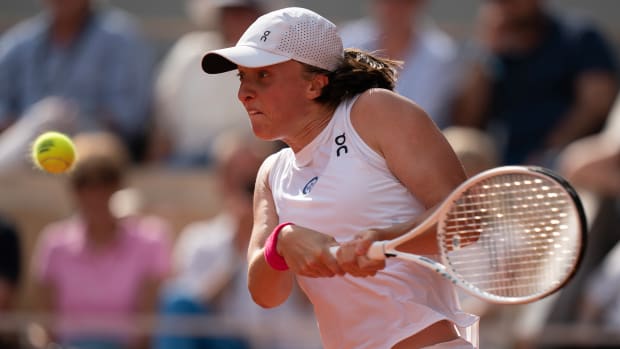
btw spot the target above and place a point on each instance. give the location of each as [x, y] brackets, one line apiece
[226, 59]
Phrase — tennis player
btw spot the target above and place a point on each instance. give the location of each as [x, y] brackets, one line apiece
[363, 164]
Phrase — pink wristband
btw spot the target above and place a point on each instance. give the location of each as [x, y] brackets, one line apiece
[273, 258]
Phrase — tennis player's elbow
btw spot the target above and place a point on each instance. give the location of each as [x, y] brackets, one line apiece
[268, 292]
[264, 303]
[265, 299]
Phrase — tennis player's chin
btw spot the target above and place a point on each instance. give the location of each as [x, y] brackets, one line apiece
[261, 132]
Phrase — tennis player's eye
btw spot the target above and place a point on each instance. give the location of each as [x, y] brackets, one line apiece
[263, 74]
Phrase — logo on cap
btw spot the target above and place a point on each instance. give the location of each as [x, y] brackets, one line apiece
[265, 35]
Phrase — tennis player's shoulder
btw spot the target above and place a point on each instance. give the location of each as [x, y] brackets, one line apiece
[382, 114]
[378, 104]
[264, 172]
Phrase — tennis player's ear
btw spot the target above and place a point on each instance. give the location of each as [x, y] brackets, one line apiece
[315, 89]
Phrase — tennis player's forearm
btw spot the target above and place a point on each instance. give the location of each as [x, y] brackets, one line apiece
[268, 287]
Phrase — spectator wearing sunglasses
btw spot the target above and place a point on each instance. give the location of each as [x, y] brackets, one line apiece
[95, 271]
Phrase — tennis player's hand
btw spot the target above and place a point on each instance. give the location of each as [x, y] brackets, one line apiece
[307, 252]
[352, 255]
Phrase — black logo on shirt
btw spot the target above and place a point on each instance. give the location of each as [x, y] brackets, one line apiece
[309, 185]
[340, 140]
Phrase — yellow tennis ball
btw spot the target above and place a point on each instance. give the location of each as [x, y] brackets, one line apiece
[53, 152]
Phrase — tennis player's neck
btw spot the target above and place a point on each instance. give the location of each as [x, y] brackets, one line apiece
[310, 130]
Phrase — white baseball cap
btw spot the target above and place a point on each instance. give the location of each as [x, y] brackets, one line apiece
[278, 36]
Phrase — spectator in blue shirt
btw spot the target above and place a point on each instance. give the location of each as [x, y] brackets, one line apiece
[90, 57]
[544, 80]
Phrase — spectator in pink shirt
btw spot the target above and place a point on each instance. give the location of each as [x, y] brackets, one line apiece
[94, 271]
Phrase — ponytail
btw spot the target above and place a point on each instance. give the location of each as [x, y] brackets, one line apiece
[358, 72]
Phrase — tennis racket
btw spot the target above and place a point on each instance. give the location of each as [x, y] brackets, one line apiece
[509, 235]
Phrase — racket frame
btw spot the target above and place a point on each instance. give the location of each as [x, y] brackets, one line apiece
[387, 249]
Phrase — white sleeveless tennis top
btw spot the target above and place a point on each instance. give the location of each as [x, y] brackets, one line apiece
[339, 186]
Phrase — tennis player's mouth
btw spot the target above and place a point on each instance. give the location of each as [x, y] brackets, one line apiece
[254, 113]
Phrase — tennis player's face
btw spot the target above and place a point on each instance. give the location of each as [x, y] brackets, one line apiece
[275, 98]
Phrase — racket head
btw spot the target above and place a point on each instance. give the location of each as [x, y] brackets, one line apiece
[512, 234]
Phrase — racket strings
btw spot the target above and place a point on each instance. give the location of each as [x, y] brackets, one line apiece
[510, 235]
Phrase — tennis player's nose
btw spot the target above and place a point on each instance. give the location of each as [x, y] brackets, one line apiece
[245, 93]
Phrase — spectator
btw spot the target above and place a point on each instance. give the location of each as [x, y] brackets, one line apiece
[94, 272]
[90, 58]
[10, 272]
[211, 269]
[592, 164]
[544, 79]
[401, 30]
[191, 109]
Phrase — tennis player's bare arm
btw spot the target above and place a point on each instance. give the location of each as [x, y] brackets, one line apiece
[306, 251]
[268, 286]
[415, 151]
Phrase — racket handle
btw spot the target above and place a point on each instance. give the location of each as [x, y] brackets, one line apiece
[334, 250]
[376, 250]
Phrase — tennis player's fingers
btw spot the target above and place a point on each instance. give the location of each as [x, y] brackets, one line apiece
[363, 241]
[331, 262]
[362, 244]
[347, 259]
[323, 265]
[344, 256]
[353, 260]
[370, 266]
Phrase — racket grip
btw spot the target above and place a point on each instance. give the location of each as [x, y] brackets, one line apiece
[334, 250]
[375, 251]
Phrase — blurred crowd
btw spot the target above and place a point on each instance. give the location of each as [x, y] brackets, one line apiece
[532, 84]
